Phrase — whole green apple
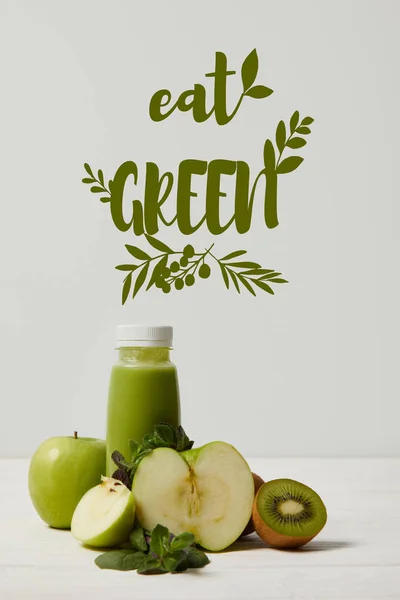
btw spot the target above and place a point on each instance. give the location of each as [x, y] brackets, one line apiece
[61, 471]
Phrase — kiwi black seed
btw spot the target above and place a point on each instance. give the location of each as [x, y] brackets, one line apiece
[287, 513]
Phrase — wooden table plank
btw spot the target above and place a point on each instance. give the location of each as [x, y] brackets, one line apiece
[355, 556]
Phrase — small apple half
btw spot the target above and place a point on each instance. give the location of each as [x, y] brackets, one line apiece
[208, 491]
[104, 516]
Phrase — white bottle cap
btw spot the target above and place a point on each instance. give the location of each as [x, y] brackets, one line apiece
[134, 336]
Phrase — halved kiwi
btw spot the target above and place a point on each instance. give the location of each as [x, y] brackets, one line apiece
[288, 514]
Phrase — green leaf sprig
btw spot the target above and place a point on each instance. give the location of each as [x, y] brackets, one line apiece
[163, 436]
[182, 270]
[293, 141]
[101, 188]
[155, 552]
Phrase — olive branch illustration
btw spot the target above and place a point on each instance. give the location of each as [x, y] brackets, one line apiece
[176, 269]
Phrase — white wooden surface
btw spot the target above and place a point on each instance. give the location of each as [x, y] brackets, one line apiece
[357, 555]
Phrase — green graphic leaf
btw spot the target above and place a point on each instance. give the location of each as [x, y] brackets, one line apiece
[246, 284]
[88, 170]
[249, 69]
[307, 121]
[224, 275]
[110, 183]
[126, 288]
[158, 245]
[234, 254]
[294, 120]
[235, 281]
[289, 164]
[257, 272]
[259, 91]
[278, 280]
[157, 271]
[270, 275]
[296, 142]
[137, 252]
[245, 265]
[88, 180]
[126, 267]
[100, 177]
[105, 199]
[264, 286]
[280, 136]
[269, 154]
[304, 130]
[97, 190]
[141, 278]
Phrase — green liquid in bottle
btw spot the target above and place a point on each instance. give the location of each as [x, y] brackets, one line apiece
[143, 391]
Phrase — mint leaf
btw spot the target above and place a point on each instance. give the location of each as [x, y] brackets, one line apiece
[120, 560]
[164, 433]
[196, 558]
[133, 445]
[159, 540]
[176, 562]
[182, 440]
[182, 541]
[150, 565]
[138, 540]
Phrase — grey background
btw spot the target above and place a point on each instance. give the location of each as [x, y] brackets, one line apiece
[310, 371]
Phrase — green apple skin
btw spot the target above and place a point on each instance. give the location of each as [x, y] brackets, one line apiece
[116, 533]
[61, 471]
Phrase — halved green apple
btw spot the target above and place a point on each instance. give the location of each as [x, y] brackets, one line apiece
[104, 516]
[208, 491]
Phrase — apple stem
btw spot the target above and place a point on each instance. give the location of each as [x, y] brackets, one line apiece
[76, 435]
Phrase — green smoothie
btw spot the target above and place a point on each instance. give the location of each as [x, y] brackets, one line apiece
[143, 391]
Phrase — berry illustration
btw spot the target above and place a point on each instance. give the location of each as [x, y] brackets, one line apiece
[179, 284]
[174, 266]
[204, 271]
[190, 279]
[184, 261]
[188, 251]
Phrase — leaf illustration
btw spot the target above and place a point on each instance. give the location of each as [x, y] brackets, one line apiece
[88, 180]
[246, 284]
[279, 280]
[249, 69]
[100, 177]
[289, 164]
[105, 199]
[88, 170]
[280, 136]
[126, 267]
[126, 288]
[234, 254]
[137, 252]
[245, 265]
[269, 154]
[304, 130]
[110, 183]
[296, 142]
[158, 245]
[294, 120]
[307, 121]
[259, 91]
[264, 286]
[224, 275]
[140, 279]
[234, 279]
[257, 272]
[97, 190]
[270, 275]
[157, 271]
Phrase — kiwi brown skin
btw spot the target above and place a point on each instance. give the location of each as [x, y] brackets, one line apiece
[274, 539]
[258, 481]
